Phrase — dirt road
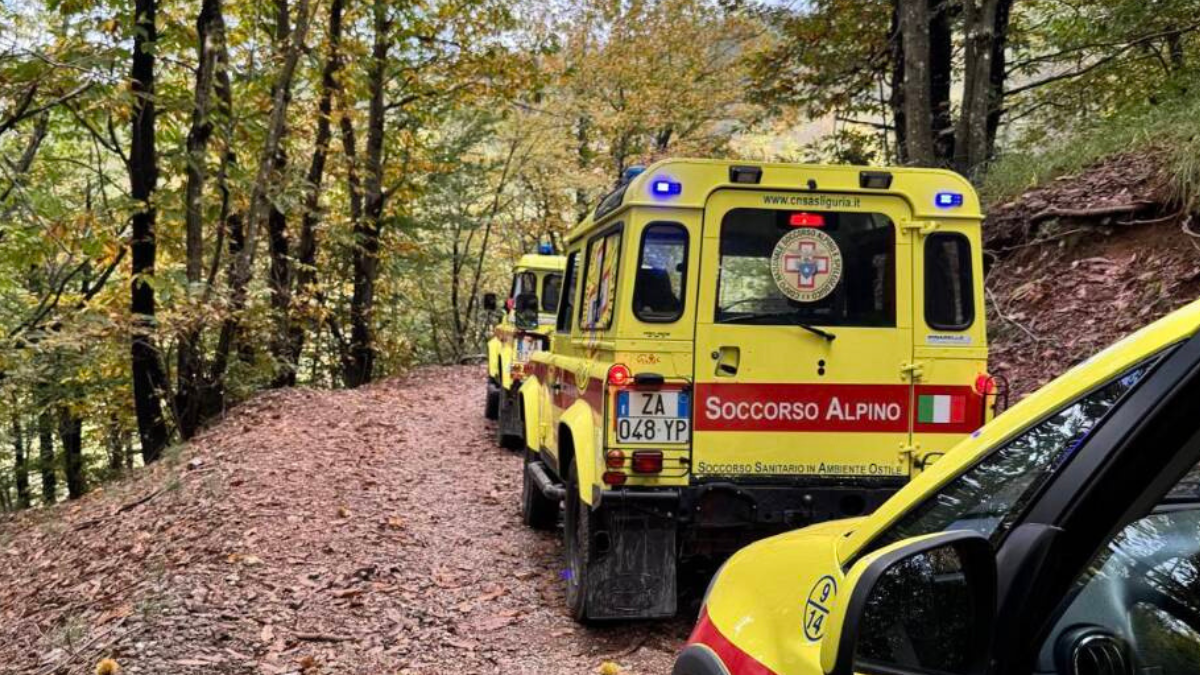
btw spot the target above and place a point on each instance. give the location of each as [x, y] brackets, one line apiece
[371, 531]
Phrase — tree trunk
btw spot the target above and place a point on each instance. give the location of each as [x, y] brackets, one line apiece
[70, 433]
[242, 265]
[20, 461]
[306, 249]
[279, 277]
[46, 458]
[148, 378]
[941, 69]
[918, 111]
[999, 73]
[896, 85]
[116, 446]
[359, 364]
[972, 149]
[190, 366]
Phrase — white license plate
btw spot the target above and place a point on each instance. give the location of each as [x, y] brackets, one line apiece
[653, 417]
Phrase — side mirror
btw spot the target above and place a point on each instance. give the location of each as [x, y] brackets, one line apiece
[526, 309]
[921, 605]
[489, 302]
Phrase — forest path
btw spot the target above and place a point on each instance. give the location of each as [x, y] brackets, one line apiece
[368, 531]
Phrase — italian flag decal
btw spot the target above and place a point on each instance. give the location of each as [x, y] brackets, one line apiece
[941, 409]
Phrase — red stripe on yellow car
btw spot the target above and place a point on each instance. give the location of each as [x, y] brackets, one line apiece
[735, 660]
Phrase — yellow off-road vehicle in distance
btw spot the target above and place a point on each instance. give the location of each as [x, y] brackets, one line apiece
[743, 349]
[523, 329]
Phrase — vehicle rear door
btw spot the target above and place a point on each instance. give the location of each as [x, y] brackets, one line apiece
[774, 398]
[949, 337]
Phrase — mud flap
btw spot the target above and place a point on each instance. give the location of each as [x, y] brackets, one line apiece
[632, 575]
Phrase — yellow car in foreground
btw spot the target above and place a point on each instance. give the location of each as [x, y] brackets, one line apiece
[1062, 537]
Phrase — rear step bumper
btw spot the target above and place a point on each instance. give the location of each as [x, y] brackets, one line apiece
[545, 484]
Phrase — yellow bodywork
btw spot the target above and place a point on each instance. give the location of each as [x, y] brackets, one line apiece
[571, 396]
[501, 347]
[758, 601]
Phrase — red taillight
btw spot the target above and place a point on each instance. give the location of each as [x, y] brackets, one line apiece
[614, 478]
[647, 461]
[806, 220]
[619, 375]
[985, 385]
[614, 459]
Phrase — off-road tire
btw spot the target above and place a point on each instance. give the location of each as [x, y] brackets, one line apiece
[491, 409]
[578, 521]
[537, 511]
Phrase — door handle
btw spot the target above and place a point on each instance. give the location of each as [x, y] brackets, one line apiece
[728, 359]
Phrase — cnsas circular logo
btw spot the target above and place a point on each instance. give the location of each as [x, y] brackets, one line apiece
[806, 264]
[817, 607]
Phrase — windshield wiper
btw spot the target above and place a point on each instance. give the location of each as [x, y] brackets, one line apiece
[829, 337]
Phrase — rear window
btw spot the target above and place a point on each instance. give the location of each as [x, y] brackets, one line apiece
[949, 296]
[551, 286]
[661, 274]
[822, 268]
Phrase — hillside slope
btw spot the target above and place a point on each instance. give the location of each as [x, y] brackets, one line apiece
[1077, 264]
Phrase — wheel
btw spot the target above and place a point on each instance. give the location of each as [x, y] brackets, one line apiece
[537, 511]
[503, 421]
[491, 409]
[578, 539]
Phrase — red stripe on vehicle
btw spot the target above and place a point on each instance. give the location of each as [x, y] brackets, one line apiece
[735, 660]
[847, 408]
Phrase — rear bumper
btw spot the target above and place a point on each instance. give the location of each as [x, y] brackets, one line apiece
[718, 517]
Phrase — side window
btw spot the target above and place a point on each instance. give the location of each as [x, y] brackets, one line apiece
[991, 496]
[524, 282]
[566, 309]
[661, 274]
[600, 282]
[949, 295]
[551, 285]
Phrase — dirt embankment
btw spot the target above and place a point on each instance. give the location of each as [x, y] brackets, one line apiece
[372, 531]
[1075, 265]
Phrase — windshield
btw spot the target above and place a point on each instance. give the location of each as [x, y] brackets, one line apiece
[820, 268]
[990, 497]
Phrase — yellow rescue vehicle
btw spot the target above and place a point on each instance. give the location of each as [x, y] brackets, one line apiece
[743, 349]
[523, 329]
[1059, 539]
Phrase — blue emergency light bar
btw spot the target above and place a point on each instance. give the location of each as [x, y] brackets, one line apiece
[948, 200]
[545, 248]
[666, 188]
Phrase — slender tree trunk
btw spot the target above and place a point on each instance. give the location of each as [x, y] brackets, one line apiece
[971, 150]
[941, 70]
[306, 249]
[116, 446]
[999, 73]
[190, 366]
[242, 265]
[279, 277]
[20, 461]
[46, 457]
[896, 85]
[359, 367]
[918, 111]
[70, 433]
[148, 378]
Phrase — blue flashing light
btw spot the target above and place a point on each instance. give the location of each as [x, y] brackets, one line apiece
[666, 188]
[632, 172]
[545, 248]
[948, 200]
